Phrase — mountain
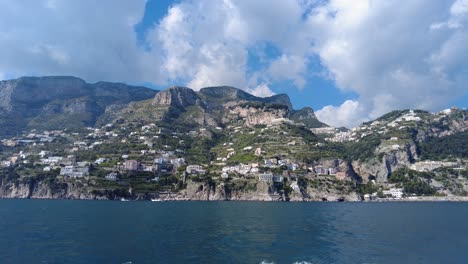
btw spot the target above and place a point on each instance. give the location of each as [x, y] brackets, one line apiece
[214, 107]
[58, 102]
[400, 138]
[307, 116]
[218, 143]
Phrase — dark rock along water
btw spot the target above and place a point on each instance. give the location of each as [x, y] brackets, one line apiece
[61, 231]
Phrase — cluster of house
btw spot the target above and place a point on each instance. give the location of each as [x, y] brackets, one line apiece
[410, 116]
[275, 163]
[166, 162]
[429, 165]
[158, 165]
[342, 136]
[333, 171]
[34, 138]
[243, 169]
[334, 134]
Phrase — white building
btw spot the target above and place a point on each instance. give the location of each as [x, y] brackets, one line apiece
[113, 176]
[51, 160]
[394, 192]
[73, 171]
[269, 177]
[195, 169]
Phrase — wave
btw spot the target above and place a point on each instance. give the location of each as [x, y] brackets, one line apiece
[297, 262]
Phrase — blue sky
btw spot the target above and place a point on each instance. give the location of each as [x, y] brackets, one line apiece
[350, 61]
[318, 93]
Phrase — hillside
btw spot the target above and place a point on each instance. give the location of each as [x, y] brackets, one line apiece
[214, 107]
[60, 102]
[219, 143]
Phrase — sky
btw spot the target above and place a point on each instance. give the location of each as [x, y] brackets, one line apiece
[351, 61]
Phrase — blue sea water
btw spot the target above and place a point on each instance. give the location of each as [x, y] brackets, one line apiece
[61, 231]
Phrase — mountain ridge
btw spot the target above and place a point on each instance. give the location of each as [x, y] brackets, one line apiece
[60, 101]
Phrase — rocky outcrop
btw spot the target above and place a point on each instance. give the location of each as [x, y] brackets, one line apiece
[256, 116]
[381, 169]
[225, 94]
[307, 117]
[263, 191]
[224, 192]
[47, 189]
[178, 97]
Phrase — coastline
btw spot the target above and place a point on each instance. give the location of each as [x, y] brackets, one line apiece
[379, 200]
[424, 199]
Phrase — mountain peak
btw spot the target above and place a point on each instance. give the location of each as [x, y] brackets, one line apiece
[307, 116]
[227, 93]
[176, 96]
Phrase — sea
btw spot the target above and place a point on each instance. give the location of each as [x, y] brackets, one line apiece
[137, 232]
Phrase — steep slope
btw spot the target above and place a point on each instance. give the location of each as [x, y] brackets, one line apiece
[60, 102]
[400, 138]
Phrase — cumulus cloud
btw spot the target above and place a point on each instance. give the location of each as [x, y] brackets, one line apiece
[289, 67]
[262, 90]
[348, 114]
[207, 43]
[91, 39]
[391, 54]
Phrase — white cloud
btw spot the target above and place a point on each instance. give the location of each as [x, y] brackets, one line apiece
[207, 43]
[348, 114]
[94, 40]
[393, 54]
[262, 90]
[289, 68]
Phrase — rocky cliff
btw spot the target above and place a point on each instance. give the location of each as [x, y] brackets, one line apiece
[215, 106]
[307, 117]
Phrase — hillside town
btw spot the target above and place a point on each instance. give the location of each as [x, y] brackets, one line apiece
[157, 158]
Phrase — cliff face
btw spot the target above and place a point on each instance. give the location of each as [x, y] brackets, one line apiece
[47, 190]
[260, 191]
[381, 169]
[177, 97]
[307, 117]
[21, 94]
[251, 116]
[218, 106]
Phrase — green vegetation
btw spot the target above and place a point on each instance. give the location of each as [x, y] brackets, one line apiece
[453, 146]
[412, 182]
[362, 150]
[367, 188]
[263, 105]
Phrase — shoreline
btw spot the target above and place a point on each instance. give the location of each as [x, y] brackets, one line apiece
[423, 199]
[379, 200]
